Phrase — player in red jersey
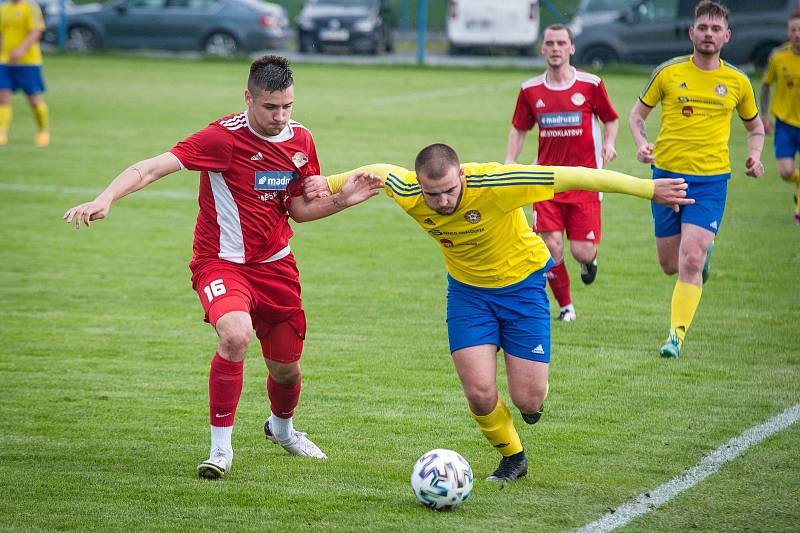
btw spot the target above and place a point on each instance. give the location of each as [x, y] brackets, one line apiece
[252, 166]
[568, 105]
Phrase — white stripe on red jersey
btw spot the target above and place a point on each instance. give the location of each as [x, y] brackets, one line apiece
[247, 181]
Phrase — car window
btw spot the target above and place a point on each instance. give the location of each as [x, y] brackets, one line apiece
[593, 6]
[145, 4]
[737, 6]
[191, 4]
[657, 10]
[344, 2]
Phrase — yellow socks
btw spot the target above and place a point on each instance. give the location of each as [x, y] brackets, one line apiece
[42, 115]
[796, 178]
[498, 428]
[685, 299]
[5, 122]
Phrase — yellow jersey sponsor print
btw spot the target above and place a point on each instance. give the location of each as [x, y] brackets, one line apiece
[487, 241]
[784, 71]
[696, 109]
[17, 20]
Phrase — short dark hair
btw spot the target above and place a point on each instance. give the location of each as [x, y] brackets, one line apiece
[711, 9]
[435, 161]
[795, 16]
[269, 73]
[559, 27]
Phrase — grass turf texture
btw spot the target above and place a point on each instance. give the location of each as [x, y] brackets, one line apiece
[105, 364]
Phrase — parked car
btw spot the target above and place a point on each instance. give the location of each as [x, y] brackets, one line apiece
[358, 25]
[511, 24]
[652, 31]
[591, 12]
[216, 27]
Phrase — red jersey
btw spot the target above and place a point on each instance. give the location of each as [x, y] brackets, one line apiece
[569, 123]
[246, 184]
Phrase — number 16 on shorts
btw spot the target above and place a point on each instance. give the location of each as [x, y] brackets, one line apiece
[214, 289]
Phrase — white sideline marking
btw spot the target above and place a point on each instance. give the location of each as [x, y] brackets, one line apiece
[441, 93]
[708, 465]
[89, 192]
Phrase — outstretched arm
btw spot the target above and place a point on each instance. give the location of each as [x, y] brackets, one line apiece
[133, 178]
[357, 188]
[671, 192]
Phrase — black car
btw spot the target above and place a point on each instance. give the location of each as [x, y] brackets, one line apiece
[366, 26]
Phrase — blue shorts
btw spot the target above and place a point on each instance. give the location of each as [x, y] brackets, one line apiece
[706, 211]
[25, 77]
[515, 318]
[787, 140]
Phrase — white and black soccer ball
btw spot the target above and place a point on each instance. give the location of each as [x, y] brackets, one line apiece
[442, 479]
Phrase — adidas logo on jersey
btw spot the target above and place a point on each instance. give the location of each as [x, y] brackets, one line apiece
[683, 86]
[257, 157]
[714, 224]
[539, 349]
[539, 103]
[590, 236]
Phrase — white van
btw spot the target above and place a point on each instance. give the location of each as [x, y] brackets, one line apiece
[506, 24]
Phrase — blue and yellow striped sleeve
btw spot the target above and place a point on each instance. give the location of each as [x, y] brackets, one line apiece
[382, 170]
[512, 186]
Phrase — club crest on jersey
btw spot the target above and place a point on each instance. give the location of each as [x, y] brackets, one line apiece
[721, 90]
[577, 99]
[273, 180]
[559, 120]
[472, 216]
[299, 159]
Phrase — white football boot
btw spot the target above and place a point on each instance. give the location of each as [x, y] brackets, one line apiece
[217, 465]
[298, 445]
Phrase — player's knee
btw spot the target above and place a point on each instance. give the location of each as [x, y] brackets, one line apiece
[482, 399]
[284, 373]
[668, 266]
[692, 259]
[233, 341]
[531, 402]
[787, 174]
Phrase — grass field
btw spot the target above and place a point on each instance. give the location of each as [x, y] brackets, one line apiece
[104, 371]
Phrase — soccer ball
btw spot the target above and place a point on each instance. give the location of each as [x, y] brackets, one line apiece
[441, 479]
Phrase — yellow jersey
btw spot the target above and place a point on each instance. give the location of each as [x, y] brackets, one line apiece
[784, 71]
[17, 21]
[696, 109]
[486, 241]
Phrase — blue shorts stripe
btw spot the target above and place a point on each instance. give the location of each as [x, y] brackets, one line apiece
[515, 318]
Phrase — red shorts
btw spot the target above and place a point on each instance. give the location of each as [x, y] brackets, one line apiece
[581, 220]
[269, 292]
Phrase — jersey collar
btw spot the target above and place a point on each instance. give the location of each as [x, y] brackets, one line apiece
[560, 87]
[285, 134]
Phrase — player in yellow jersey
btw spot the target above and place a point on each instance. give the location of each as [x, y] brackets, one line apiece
[496, 267]
[784, 71]
[698, 94]
[21, 28]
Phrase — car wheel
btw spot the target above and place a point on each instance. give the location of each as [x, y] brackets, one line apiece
[221, 44]
[82, 39]
[599, 56]
[389, 46]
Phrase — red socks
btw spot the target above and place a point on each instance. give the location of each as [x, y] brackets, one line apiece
[283, 398]
[224, 390]
[558, 279]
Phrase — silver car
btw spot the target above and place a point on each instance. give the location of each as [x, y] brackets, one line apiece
[216, 27]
